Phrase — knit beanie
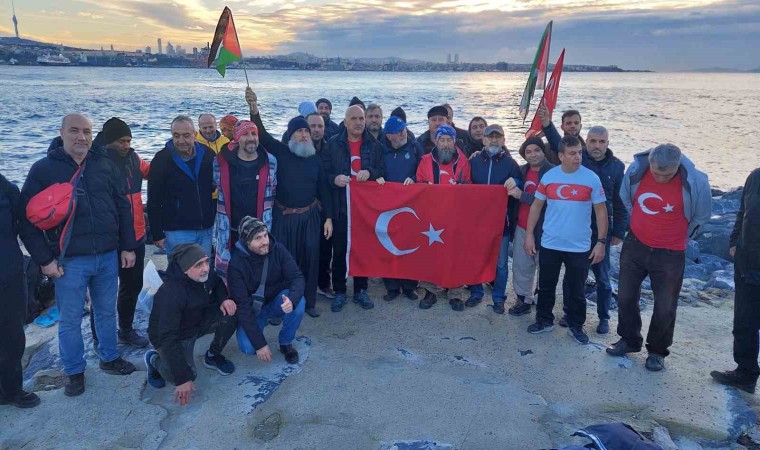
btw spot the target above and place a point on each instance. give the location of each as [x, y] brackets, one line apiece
[306, 108]
[115, 129]
[295, 124]
[356, 101]
[229, 120]
[532, 141]
[250, 227]
[187, 255]
[399, 112]
[324, 100]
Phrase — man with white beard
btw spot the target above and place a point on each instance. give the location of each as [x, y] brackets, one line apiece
[301, 188]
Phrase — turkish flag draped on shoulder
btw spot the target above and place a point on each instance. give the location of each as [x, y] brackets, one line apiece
[446, 235]
[549, 98]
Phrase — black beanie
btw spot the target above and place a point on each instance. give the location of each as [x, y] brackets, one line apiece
[400, 113]
[115, 129]
[356, 101]
[324, 100]
[295, 124]
[186, 255]
[250, 227]
[438, 111]
[532, 141]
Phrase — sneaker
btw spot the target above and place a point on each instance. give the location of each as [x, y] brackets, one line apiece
[411, 294]
[520, 308]
[312, 312]
[456, 304]
[275, 321]
[118, 366]
[428, 300]
[578, 334]
[563, 322]
[620, 348]
[154, 376]
[655, 363]
[290, 352]
[338, 302]
[74, 385]
[391, 295]
[363, 299]
[539, 327]
[735, 379]
[219, 363]
[132, 338]
[498, 307]
[22, 399]
[603, 327]
[326, 292]
[473, 301]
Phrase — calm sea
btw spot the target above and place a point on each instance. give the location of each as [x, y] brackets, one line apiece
[713, 117]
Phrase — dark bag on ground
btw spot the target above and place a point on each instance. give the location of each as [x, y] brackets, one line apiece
[40, 290]
[613, 436]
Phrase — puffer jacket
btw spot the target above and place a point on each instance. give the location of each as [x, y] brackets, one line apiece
[746, 234]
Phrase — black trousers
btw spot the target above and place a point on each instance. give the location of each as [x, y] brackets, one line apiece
[665, 270]
[340, 252]
[549, 266]
[299, 233]
[325, 259]
[395, 284]
[746, 326]
[130, 285]
[223, 328]
[12, 338]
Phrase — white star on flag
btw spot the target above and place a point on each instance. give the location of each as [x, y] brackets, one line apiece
[668, 208]
[574, 192]
[433, 235]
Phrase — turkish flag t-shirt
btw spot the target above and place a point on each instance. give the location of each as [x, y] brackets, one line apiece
[531, 184]
[356, 160]
[445, 173]
[657, 218]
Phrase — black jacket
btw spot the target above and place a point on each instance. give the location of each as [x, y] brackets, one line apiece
[180, 308]
[528, 197]
[103, 218]
[337, 161]
[497, 169]
[331, 129]
[176, 199]
[746, 234]
[11, 259]
[244, 277]
[611, 172]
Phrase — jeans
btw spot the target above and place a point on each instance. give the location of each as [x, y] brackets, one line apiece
[340, 252]
[499, 294]
[746, 326]
[576, 267]
[523, 268]
[200, 237]
[290, 322]
[665, 269]
[603, 287]
[12, 338]
[99, 273]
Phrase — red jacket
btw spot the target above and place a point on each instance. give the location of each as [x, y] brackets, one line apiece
[429, 169]
[134, 170]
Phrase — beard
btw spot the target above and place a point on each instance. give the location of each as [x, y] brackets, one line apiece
[493, 149]
[446, 156]
[302, 149]
[250, 147]
[326, 117]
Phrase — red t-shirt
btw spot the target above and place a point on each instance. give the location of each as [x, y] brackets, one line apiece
[446, 173]
[657, 219]
[356, 160]
[531, 184]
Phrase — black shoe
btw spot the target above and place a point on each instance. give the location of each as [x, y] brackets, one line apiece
[655, 363]
[22, 399]
[411, 294]
[290, 352]
[520, 308]
[132, 338]
[219, 363]
[540, 327]
[392, 295]
[274, 321]
[563, 321]
[118, 366]
[313, 312]
[428, 300]
[620, 348]
[735, 379]
[362, 298]
[498, 307]
[456, 304]
[74, 385]
[578, 334]
[473, 301]
[603, 327]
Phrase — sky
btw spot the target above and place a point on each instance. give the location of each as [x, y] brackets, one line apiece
[659, 35]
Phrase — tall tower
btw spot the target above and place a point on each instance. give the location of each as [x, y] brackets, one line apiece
[15, 21]
[456, 58]
[160, 50]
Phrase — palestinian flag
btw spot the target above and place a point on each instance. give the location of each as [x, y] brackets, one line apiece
[225, 48]
[537, 77]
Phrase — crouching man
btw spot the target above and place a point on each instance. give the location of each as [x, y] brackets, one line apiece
[191, 303]
[265, 282]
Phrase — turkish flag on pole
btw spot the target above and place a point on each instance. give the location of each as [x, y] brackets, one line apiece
[549, 97]
[446, 235]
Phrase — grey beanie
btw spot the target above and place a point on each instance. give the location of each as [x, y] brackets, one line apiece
[187, 255]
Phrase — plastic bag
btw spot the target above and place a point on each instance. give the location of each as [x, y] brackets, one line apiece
[151, 282]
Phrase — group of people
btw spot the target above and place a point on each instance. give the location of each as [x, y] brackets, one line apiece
[255, 228]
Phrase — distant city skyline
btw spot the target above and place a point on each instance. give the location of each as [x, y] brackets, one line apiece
[646, 34]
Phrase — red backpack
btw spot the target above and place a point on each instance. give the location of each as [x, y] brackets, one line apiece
[54, 204]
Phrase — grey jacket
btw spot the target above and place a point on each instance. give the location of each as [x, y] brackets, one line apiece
[697, 197]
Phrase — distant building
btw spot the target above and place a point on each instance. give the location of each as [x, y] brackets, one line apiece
[15, 21]
[111, 47]
[148, 50]
[169, 49]
[160, 49]
[195, 52]
[448, 59]
[456, 58]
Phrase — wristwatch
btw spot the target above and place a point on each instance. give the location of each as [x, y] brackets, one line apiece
[602, 241]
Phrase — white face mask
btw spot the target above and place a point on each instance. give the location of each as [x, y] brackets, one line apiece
[492, 150]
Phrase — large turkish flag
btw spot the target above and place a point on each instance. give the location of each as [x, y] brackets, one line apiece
[447, 235]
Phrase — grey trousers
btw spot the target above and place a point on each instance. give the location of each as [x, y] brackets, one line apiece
[523, 268]
[159, 362]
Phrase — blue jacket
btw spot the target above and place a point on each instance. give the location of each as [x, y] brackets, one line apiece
[401, 163]
[497, 169]
[697, 196]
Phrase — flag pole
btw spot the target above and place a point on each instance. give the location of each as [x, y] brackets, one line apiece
[242, 58]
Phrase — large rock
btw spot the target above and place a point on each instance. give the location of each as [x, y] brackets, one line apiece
[715, 234]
